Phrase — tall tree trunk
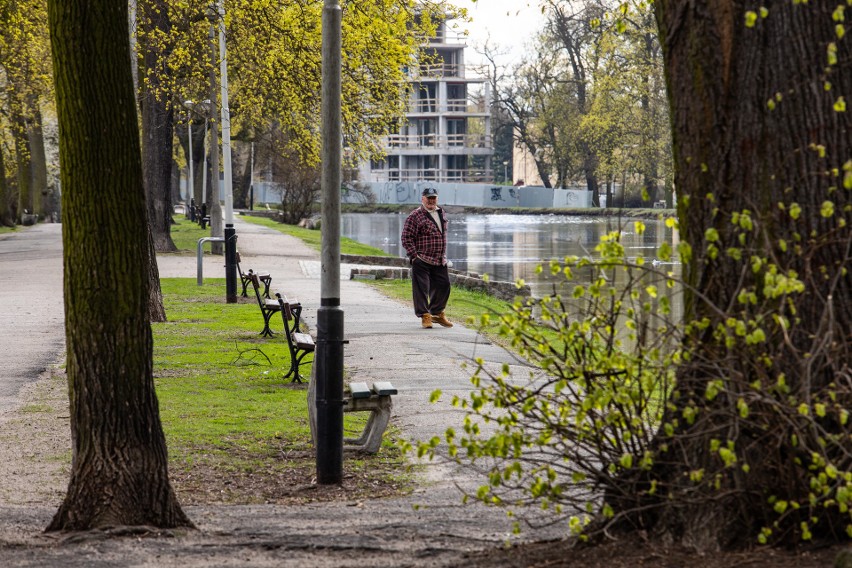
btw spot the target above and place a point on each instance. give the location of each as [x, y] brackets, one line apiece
[157, 129]
[38, 162]
[590, 168]
[156, 308]
[119, 473]
[199, 156]
[242, 180]
[157, 123]
[761, 150]
[6, 218]
[22, 164]
[574, 32]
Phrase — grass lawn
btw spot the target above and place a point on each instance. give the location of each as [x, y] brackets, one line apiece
[228, 413]
[226, 409]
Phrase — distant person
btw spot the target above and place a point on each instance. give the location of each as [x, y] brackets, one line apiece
[424, 236]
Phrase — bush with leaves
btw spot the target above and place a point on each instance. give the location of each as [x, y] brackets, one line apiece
[610, 432]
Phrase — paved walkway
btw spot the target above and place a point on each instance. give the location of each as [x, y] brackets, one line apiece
[32, 320]
[386, 342]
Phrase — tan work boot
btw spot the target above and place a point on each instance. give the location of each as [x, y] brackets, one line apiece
[426, 321]
[442, 319]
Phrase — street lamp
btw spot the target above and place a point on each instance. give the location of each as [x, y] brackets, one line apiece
[505, 171]
[328, 359]
[230, 232]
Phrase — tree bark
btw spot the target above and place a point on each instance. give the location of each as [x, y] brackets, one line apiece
[157, 123]
[199, 157]
[156, 308]
[242, 175]
[23, 156]
[755, 133]
[38, 162]
[119, 473]
[6, 218]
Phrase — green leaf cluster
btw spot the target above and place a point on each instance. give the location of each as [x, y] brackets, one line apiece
[603, 357]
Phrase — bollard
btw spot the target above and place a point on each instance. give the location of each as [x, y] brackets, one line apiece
[230, 264]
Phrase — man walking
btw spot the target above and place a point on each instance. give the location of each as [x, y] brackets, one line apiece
[424, 236]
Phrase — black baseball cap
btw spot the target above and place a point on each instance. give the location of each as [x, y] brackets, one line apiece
[430, 192]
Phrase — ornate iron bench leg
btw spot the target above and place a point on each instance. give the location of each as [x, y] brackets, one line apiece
[298, 363]
[267, 332]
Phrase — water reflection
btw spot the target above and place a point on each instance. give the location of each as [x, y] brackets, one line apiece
[508, 247]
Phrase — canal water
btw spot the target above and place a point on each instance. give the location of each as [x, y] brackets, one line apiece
[509, 247]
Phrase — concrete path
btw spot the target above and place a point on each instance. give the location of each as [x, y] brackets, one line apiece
[386, 342]
[32, 315]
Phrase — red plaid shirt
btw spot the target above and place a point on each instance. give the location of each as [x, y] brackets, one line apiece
[422, 239]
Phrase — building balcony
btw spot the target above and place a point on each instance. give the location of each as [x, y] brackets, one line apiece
[433, 141]
[436, 70]
[444, 37]
[454, 106]
[436, 175]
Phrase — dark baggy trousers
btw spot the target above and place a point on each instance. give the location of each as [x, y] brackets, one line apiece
[430, 287]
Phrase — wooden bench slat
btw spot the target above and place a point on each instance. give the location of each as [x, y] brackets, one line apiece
[359, 390]
[303, 341]
[384, 388]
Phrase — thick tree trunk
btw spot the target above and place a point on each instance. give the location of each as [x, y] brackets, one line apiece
[199, 156]
[157, 163]
[6, 218]
[22, 166]
[757, 137]
[119, 473]
[38, 162]
[156, 308]
[590, 166]
[242, 180]
[157, 124]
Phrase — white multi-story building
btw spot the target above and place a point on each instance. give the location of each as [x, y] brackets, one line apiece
[447, 133]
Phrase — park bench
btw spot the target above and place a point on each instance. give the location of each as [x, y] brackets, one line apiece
[201, 216]
[267, 306]
[359, 398]
[245, 278]
[300, 343]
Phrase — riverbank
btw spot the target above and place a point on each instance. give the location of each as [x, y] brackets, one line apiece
[577, 212]
[616, 212]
